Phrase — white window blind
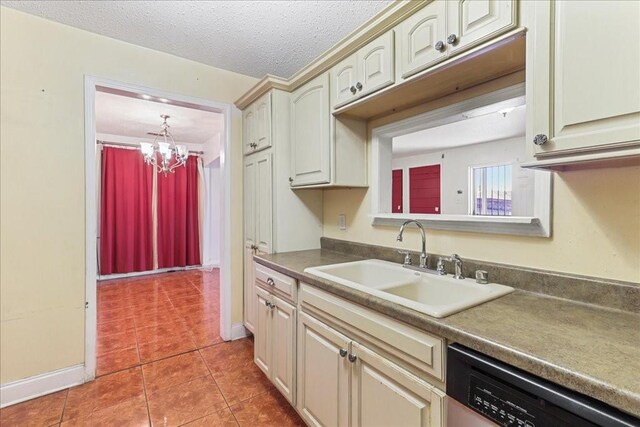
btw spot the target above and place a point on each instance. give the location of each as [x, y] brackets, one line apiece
[491, 189]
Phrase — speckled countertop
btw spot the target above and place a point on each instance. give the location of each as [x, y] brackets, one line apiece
[593, 350]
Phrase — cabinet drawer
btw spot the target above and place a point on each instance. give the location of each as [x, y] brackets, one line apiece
[418, 348]
[271, 279]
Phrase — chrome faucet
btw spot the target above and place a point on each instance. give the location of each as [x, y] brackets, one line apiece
[423, 254]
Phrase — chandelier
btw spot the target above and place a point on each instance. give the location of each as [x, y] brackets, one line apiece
[172, 155]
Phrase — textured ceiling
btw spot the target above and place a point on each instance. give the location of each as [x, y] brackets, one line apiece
[475, 130]
[249, 37]
[134, 117]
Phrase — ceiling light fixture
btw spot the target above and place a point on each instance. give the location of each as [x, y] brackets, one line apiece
[172, 155]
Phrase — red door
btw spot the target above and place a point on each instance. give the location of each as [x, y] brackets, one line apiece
[424, 189]
[396, 191]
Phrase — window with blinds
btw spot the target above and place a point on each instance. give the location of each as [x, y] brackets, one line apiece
[492, 187]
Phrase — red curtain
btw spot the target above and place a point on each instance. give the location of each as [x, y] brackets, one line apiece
[178, 228]
[126, 242]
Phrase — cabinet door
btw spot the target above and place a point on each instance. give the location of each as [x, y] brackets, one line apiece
[375, 65]
[249, 293]
[248, 129]
[323, 374]
[384, 394]
[284, 348]
[310, 137]
[250, 201]
[263, 122]
[262, 336]
[264, 202]
[473, 21]
[585, 91]
[418, 36]
[343, 78]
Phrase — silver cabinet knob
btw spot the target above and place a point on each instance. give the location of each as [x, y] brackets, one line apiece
[352, 358]
[266, 303]
[439, 46]
[270, 282]
[343, 352]
[290, 180]
[452, 39]
[353, 89]
[540, 139]
[359, 86]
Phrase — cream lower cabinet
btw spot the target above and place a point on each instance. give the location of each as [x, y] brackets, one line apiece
[275, 340]
[343, 381]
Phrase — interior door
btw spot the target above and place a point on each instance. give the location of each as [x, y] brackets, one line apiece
[424, 189]
[396, 191]
[323, 374]
[474, 21]
[384, 394]
[418, 37]
[284, 348]
[310, 137]
[262, 337]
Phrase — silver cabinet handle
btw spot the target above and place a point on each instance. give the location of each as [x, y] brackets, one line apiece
[343, 352]
[266, 303]
[540, 139]
[353, 89]
[352, 358]
[270, 282]
[439, 46]
[272, 306]
[359, 86]
[452, 39]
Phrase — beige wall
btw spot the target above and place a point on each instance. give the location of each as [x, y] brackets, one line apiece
[42, 287]
[596, 220]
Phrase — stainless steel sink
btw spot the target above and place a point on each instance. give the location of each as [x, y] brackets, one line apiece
[436, 296]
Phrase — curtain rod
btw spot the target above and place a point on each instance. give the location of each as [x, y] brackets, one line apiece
[124, 144]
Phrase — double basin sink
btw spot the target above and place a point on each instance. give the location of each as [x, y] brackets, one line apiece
[431, 294]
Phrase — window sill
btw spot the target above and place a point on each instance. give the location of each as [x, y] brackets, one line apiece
[515, 225]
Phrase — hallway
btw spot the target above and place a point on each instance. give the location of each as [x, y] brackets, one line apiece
[161, 362]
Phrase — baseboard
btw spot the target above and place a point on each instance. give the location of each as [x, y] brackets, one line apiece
[39, 385]
[238, 331]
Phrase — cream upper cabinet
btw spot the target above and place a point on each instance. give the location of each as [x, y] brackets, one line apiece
[370, 69]
[470, 22]
[376, 65]
[385, 394]
[256, 126]
[343, 82]
[584, 90]
[310, 133]
[323, 374]
[421, 39]
[250, 202]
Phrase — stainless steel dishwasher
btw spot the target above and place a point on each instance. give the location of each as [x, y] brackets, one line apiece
[483, 391]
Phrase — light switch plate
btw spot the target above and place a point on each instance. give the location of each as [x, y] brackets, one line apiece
[342, 222]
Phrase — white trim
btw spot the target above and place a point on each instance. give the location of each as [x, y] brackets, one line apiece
[91, 253]
[102, 277]
[39, 385]
[238, 331]
[538, 225]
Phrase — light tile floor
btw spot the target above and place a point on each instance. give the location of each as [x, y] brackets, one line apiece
[161, 362]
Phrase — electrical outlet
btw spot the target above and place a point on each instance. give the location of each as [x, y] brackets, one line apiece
[342, 222]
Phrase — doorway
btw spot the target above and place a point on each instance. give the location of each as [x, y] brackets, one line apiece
[215, 214]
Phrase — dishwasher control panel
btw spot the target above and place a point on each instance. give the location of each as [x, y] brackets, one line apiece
[498, 404]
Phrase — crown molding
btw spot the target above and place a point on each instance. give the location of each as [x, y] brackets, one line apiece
[383, 21]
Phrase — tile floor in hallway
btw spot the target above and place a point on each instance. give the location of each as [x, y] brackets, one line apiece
[161, 362]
